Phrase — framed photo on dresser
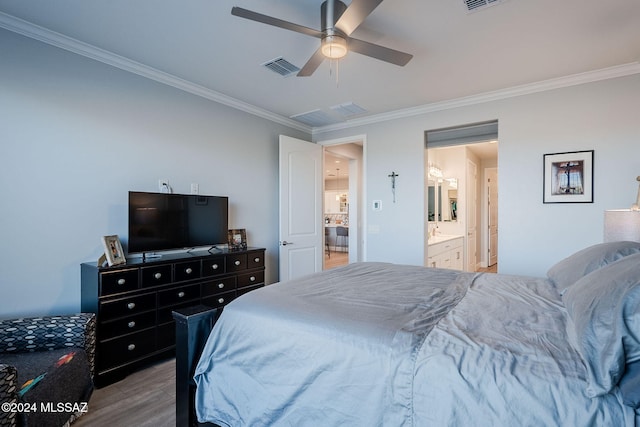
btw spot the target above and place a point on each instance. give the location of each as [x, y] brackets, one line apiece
[237, 239]
[113, 250]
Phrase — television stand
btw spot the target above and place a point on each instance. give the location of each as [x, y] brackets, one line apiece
[134, 302]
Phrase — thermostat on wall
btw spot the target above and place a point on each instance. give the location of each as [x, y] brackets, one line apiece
[377, 205]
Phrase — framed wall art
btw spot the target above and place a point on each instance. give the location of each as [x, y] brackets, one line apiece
[568, 177]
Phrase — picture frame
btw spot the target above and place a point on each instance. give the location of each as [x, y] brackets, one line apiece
[237, 239]
[568, 177]
[113, 250]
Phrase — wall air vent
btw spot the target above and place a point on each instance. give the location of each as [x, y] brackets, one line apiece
[281, 66]
[315, 118]
[474, 5]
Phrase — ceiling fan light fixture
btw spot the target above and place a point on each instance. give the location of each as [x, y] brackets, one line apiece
[334, 47]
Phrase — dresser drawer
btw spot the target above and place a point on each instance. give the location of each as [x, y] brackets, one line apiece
[250, 279]
[213, 266]
[218, 286]
[165, 313]
[178, 295]
[186, 271]
[246, 289]
[156, 275]
[236, 262]
[128, 306]
[126, 349]
[219, 300]
[127, 325]
[255, 260]
[118, 281]
[166, 335]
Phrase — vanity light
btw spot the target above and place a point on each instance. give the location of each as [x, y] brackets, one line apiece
[434, 171]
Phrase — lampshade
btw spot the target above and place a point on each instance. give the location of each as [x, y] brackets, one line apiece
[621, 224]
[334, 47]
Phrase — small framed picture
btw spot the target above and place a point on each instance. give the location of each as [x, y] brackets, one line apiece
[568, 177]
[237, 239]
[113, 250]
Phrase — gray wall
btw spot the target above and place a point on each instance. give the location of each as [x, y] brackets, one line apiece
[77, 135]
[600, 116]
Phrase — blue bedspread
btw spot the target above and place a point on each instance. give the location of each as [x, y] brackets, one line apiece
[375, 344]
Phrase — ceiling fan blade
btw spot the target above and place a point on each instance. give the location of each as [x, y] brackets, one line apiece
[379, 52]
[258, 17]
[357, 12]
[312, 64]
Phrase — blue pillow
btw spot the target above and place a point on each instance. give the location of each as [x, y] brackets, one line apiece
[571, 269]
[630, 385]
[605, 309]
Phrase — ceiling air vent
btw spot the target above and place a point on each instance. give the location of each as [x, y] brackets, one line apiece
[315, 118]
[281, 66]
[474, 5]
[348, 109]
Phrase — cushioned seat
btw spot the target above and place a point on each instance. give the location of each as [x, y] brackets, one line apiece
[47, 362]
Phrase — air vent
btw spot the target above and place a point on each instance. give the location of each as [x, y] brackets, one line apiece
[474, 5]
[281, 66]
[315, 118]
[348, 109]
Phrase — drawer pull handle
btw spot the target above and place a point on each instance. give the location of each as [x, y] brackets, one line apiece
[121, 281]
[256, 259]
[131, 324]
[180, 294]
[214, 266]
[252, 278]
[188, 270]
[131, 305]
[220, 285]
[131, 347]
[237, 262]
[220, 300]
[157, 276]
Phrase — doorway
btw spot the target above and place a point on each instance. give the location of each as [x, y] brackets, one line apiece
[464, 157]
[342, 215]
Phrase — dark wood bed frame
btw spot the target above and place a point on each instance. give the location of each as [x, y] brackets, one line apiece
[193, 325]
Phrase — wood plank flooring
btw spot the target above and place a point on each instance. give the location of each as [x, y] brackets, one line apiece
[336, 259]
[146, 398]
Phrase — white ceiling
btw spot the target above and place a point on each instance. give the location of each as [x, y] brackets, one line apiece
[457, 54]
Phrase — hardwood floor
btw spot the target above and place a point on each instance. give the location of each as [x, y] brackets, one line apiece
[336, 259]
[146, 398]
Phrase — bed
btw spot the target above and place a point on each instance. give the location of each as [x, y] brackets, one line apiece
[377, 344]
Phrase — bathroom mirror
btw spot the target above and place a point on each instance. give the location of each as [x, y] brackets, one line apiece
[442, 199]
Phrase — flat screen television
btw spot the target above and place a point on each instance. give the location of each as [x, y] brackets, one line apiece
[161, 221]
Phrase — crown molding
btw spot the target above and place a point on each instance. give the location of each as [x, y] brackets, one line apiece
[70, 44]
[542, 86]
[53, 38]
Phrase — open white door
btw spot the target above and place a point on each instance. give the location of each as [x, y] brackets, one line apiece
[301, 229]
[493, 215]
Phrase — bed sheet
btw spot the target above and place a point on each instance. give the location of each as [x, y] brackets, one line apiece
[375, 344]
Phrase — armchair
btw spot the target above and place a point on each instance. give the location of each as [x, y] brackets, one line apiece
[56, 356]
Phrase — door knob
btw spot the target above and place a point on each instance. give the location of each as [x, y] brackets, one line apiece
[285, 243]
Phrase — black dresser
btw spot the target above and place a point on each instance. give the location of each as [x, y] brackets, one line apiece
[134, 302]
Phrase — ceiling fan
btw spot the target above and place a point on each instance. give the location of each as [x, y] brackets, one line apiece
[337, 23]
